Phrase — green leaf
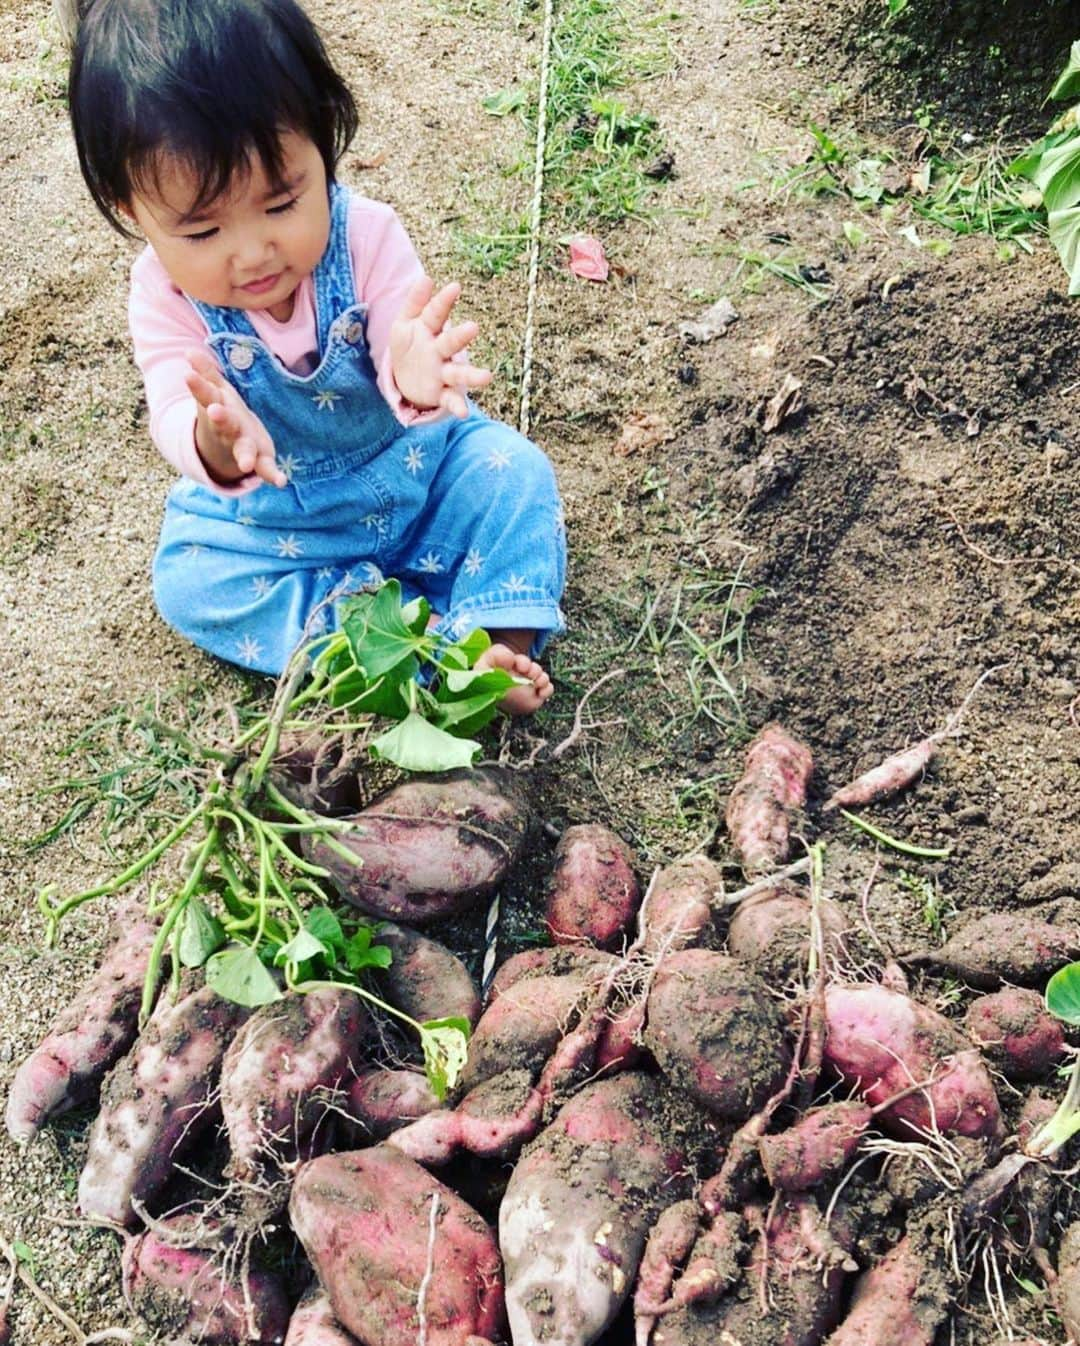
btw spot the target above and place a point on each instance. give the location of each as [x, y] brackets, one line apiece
[1063, 994]
[1057, 174]
[237, 974]
[417, 745]
[474, 645]
[1064, 228]
[378, 635]
[1067, 84]
[504, 102]
[22, 1251]
[855, 234]
[865, 182]
[325, 926]
[416, 615]
[201, 934]
[446, 1045]
[300, 948]
[360, 952]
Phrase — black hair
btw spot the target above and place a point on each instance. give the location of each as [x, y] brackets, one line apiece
[209, 82]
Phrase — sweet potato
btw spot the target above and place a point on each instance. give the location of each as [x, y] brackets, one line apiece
[89, 1035]
[573, 1222]
[1005, 946]
[380, 1101]
[678, 911]
[771, 932]
[310, 770]
[279, 1072]
[1016, 1033]
[313, 1323]
[761, 805]
[593, 895]
[431, 847]
[156, 1102]
[817, 1148]
[669, 1243]
[902, 1301]
[716, 1032]
[556, 962]
[888, 778]
[191, 1294]
[377, 1227]
[882, 1042]
[1068, 1282]
[425, 979]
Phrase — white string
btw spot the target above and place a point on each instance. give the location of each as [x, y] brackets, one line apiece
[536, 213]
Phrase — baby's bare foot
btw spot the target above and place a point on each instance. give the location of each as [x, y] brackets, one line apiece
[518, 700]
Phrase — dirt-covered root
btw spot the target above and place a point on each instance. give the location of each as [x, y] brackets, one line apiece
[1004, 947]
[716, 1032]
[770, 931]
[1015, 1033]
[593, 893]
[401, 1257]
[817, 1148]
[762, 805]
[313, 1322]
[678, 908]
[901, 1301]
[430, 847]
[315, 773]
[425, 979]
[189, 1293]
[380, 1102]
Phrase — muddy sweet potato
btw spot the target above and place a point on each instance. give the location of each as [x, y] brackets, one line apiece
[377, 1227]
[311, 770]
[313, 1323]
[89, 1035]
[279, 1074]
[882, 1042]
[156, 1102]
[816, 1149]
[570, 1231]
[1006, 946]
[194, 1294]
[771, 932]
[1015, 1033]
[381, 1101]
[1068, 1269]
[761, 806]
[593, 895]
[678, 911]
[716, 1032]
[902, 1301]
[431, 847]
[425, 979]
[556, 962]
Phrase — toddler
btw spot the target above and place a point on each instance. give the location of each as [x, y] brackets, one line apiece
[301, 373]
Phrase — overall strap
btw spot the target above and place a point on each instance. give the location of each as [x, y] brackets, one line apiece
[335, 290]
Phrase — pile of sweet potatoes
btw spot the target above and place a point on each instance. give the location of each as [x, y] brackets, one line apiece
[687, 1117]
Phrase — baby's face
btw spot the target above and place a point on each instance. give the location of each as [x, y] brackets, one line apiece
[251, 247]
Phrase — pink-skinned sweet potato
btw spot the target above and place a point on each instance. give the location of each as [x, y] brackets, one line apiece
[882, 1042]
[902, 1301]
[381, 1101]
[578, 1207]
[803, 1269]
[678, 909]
[716, 1032]
[194, 1294]
[279, 1074]
[1015, 1033]
[311, 770]
[593, 895]
[761, 805]
[425, 979]
[431, 847]
[771, 932]
[89, 1035]
[1005, 947]
[1068, 1282]
[555, 962]
[313, 1322]
[365, 1219]
[817, 1148]
[156, 1102]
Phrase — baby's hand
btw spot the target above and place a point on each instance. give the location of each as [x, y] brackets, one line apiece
[230, 438]
[422, 350]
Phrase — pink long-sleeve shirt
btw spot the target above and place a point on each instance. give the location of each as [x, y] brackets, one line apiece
[164, 325]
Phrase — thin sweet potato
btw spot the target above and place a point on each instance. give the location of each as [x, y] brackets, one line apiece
[192, 1295]
[573, 1222]
[313, 1322]
[1016, 1033]
[279, 1073]
[89, 1035]
[816, 1149]
[882, 1042]
[431, 847]
[593, 894]
[761, 805]
[902, 1301]
[156, 1102]
[1005, 946]
[381, 1101]
[377, 1228]
[678, 911]
[716, 1032]
[771, 932]
[425, 979]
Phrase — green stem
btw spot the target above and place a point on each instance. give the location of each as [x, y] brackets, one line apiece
[905, 847]
[1063, 1125]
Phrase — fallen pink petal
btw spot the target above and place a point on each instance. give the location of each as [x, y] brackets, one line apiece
[587, 258]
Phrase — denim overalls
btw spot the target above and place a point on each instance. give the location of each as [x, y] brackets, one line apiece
[464, 512]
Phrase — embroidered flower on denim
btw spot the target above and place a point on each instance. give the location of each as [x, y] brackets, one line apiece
[473, 562]
[249, 650]
[430, 564]
[414, 459]
[194, 549]
[498, 459]
[290, 547]
[287, 463]
[515, 583]
[325, 400]
[261, 585]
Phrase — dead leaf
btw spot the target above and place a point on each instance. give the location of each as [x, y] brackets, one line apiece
[363, 165]
[643, 430]
[713, 323]
[587, 258]
[919, 178]
[783, 403]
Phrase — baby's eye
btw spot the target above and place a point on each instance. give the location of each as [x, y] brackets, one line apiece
[283, 208]
[200, 237]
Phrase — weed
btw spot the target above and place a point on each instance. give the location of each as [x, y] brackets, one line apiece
[753, 267]
[978, 194]
[935, 909]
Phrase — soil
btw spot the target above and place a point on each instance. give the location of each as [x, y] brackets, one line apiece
[911, 523]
